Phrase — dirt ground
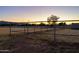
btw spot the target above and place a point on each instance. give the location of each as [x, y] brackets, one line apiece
[41, 42]
[38, 42]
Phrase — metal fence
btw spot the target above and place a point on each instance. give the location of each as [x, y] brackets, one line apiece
[53, 32]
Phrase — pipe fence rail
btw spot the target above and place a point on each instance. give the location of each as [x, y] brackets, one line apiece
[61, 31]
[55, 32]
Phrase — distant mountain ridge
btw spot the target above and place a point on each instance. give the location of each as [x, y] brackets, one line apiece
[6, 23]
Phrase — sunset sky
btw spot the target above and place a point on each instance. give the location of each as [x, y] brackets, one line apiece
[37, 13]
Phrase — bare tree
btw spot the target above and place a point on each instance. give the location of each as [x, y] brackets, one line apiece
[53, 19]
[48, 20]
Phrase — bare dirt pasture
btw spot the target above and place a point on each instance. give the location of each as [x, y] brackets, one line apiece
[41, 40]
[6, 30]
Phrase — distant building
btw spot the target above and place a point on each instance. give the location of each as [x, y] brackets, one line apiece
[75, 25]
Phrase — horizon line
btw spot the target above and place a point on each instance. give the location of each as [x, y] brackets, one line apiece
[41, 21]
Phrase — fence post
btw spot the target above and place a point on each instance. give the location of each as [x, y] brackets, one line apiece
[27, 29]
[34, 28]
[54, 31]
[10, 31]
[24, 29]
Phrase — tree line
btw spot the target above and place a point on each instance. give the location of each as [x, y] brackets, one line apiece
[28, 24]
[51, 21]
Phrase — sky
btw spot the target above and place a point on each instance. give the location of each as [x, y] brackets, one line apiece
[37, 13]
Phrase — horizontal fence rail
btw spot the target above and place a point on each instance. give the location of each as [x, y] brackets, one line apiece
[41, 26]
[54, 32]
